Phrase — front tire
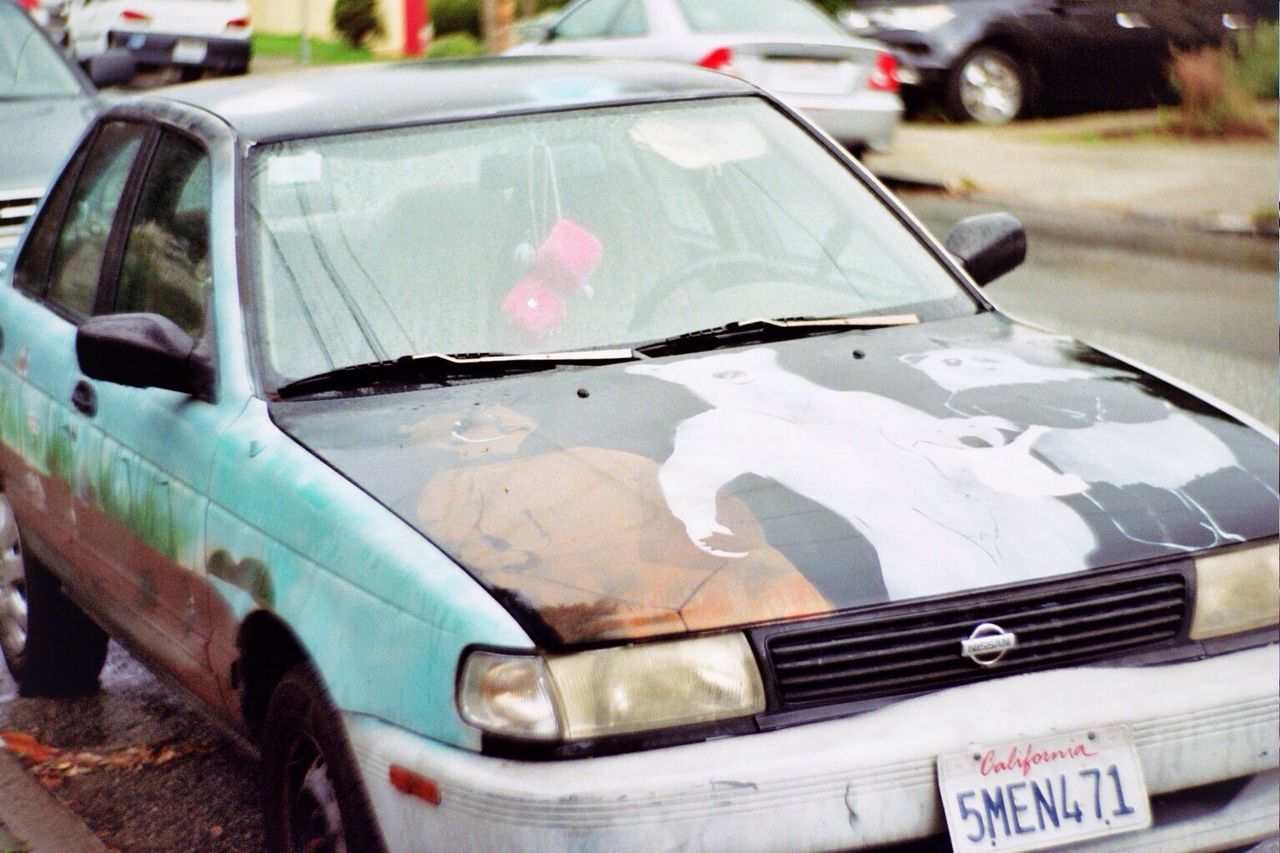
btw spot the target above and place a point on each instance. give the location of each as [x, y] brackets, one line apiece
[313, 797]
[49, 645]
[990, 87]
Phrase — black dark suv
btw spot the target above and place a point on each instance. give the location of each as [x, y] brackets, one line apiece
[994, 60]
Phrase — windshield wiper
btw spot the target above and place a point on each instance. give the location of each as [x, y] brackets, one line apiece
[764, 330]
[439, 368]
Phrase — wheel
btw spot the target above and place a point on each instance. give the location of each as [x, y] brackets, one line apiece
[313, 798]
[989, 86]
[49, 645]
[190, 73]
[715, 272]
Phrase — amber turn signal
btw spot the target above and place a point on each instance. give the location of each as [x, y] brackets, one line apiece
[406, 781]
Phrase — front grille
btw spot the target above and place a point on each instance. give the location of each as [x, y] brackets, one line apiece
[16, 207]
[914, 648]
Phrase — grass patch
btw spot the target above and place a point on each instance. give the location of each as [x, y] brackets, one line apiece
[454, 45]
[1088, 137]
[323, 52]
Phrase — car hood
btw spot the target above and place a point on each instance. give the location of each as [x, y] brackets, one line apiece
[44, 131]
[802, 478]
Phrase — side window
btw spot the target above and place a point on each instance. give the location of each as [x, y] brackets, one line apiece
[82, 242]
[166, 257]
[31, 269]
[603, 19]
[631, 20]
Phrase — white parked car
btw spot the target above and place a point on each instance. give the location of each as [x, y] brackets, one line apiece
[848, 86]
[194, 35]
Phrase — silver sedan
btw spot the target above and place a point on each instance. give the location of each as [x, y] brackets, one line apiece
[847, 86]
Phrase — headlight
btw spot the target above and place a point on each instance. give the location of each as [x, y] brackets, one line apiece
[611, 691]
[917, 18]
[1237, 590]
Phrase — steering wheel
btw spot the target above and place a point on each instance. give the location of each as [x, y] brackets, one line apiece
[717, 272]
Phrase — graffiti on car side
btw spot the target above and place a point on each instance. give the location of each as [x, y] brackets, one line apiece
[99, 472]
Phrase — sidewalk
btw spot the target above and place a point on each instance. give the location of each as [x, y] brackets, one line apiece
[33, 821]
[1106, 163]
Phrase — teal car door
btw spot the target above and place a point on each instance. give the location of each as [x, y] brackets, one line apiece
[119, 475]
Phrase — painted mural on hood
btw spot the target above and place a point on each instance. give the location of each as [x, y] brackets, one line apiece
[788, 481]
[976, 491]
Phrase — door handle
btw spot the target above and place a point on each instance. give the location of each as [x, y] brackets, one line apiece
[84, 398]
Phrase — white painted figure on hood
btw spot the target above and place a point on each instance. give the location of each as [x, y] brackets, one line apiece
[1153, 447]
[928, 493]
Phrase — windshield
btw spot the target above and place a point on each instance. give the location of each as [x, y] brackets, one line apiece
[567, 231]
[771, 16]
[29, 66]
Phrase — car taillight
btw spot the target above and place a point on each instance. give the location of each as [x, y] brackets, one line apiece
[241, 23]
[884, 77]
[720, 59]
[134, 17]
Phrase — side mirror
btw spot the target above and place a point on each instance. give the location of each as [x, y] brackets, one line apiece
[143, 351]
[115, 67]
[988, 246]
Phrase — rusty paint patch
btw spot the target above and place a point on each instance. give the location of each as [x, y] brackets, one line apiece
[584, 537]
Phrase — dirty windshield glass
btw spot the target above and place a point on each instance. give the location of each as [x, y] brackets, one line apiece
[567, 231]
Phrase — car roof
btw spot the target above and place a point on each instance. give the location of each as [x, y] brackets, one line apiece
[355, 97]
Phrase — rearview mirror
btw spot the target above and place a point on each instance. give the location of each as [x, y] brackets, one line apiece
[143, 351]
[988, 246]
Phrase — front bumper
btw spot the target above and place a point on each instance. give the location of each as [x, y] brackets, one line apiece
[160, 49]
[855, 782]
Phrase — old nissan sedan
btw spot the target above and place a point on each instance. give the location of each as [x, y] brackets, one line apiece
[558, 454]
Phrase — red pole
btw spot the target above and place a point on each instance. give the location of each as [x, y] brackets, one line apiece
[415, 18]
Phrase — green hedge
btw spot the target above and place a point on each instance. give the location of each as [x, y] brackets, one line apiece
[456, 16]
[1255, 61]
[356, 20]
[463, 16]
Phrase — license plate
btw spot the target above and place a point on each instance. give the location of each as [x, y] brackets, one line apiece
[1054, 790]
[190, 51]
[811, 76]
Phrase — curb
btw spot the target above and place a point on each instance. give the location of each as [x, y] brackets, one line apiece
[36, 818]
[1221, 240]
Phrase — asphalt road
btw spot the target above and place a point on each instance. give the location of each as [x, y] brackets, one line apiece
[1199, 308]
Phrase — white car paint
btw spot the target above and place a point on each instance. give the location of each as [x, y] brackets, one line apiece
[91, 22]
[855, 782]
[835, 95]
